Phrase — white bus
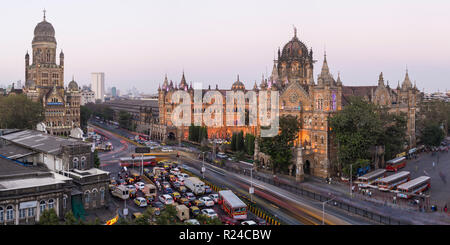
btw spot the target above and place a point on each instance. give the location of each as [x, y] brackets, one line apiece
[414, 186]
[371, 178]
[390, 182]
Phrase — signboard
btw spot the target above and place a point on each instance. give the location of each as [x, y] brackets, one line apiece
[251, 190]
[142, 150]
[30, 204]
[203, 169]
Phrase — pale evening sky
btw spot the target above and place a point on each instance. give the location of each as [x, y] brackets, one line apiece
[136, 42]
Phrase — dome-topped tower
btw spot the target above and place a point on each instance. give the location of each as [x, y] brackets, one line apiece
[238, 85]
[44, 32]
[295, 62]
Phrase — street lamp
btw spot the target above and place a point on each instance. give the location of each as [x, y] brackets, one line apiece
[251, 185]
[323, 209]
[351, 178]
[203, 166]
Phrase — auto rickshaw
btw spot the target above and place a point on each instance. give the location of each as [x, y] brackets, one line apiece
[198, 203]
[175, 195]
[132, 194]
[184, 201]
[194, 210]
[130, 181]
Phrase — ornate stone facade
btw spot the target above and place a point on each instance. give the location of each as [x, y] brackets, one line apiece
[45, 83]
[314, 103]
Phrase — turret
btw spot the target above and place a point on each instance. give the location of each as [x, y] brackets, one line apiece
[61, 58]
[27, 59]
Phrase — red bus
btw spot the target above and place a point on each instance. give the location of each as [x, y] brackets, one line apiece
[395, 164]
[232, 205]
[392, 181]
[417, 185]
[137, 161]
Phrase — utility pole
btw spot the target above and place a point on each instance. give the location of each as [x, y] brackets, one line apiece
[142, 158]
[323, 210]
[203, 166]
[351, 190]
[251, 185]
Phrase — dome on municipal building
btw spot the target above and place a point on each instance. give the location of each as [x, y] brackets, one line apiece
[294, 48]
[44, 32]
[73, 86]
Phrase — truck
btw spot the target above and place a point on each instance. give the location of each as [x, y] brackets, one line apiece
[149, 190]
[195, 185]
[121, 192]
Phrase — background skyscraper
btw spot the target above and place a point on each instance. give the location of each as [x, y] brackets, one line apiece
[98, 85]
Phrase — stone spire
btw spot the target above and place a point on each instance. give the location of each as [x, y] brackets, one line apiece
[406, 83]
[339, 82]
[183, 83]
[381, 80]
[325, 77]
[255, 87]
[274, 77]
[325, 69]
[166, 83]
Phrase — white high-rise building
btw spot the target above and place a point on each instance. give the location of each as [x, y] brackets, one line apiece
[98, 85]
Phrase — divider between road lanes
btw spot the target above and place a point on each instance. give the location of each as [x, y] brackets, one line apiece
[252, 206]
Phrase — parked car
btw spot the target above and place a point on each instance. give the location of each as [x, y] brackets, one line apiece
[214, 197]
[192, 222]
[194, 210]
[198, 203]
[140, 202]
[139, 185]
[190, 196]
[175, 195]
[209, 212]
[184, 201]
[207, 201]
[248, 222]
[166, 199]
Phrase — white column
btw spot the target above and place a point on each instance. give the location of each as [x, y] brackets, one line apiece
[57, 206]
[17, 214]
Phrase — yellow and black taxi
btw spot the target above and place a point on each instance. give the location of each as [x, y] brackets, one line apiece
[184, 201]
[140, 202]
[198, 203]
[175, 195]
[194, 210]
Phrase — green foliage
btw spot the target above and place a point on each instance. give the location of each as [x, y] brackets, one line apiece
[279, 148]
[69, 219]
[249, 144]
[394, 133]
[432, 134]
[101, 110]
[357, 127]
[206, 220]
[198, 133]
[49, 217]
[438, 111]
[125, 120]
[17, 111]
[168, 216]
[96, 159]
[85, 114]
[123, 221]
[360, 163]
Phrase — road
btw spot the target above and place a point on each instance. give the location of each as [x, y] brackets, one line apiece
[288, 207]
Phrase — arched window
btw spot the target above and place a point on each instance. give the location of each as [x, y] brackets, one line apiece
[102, 194]
[51, 204]
[83, 161]
[9, 213]
[94, 194]
[42, 206]
[86, 197]
[75, 162]
[1, 214]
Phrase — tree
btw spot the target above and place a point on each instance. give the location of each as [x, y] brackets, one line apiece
[206, 220]
[125, 120]
[167, 216]
[233, 142]
[17, 111]
[279, 148]
[439, 111]
[249, 144]
[69, 219]
[432, 134]
[49, 217]
[85, 114]
[394, 133]
[356, 128]
[96, 159]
